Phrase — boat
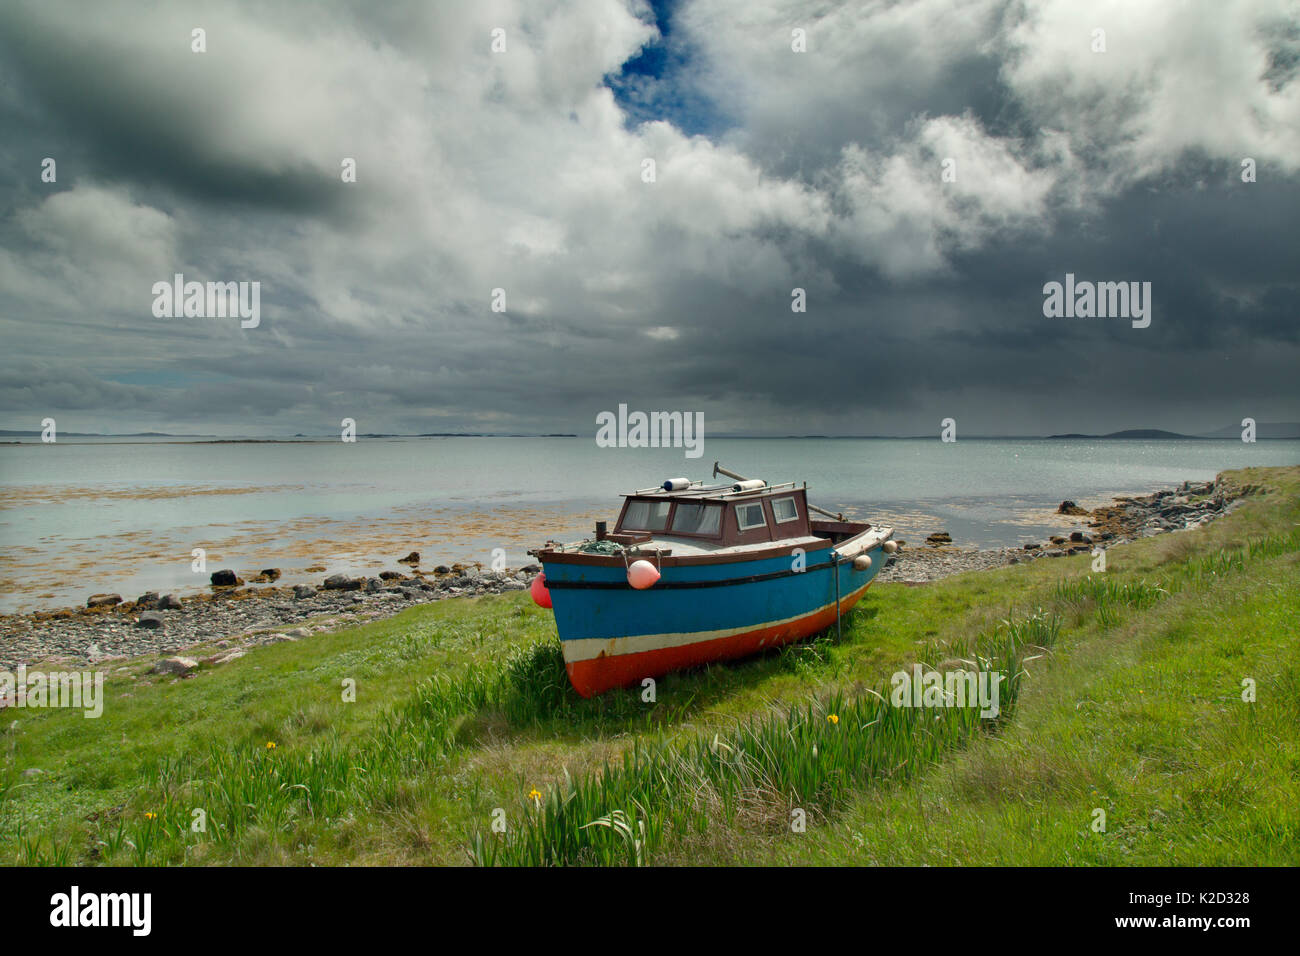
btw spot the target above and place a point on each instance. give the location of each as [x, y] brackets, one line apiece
[695, 573]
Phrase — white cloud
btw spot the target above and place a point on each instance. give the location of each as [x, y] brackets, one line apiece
[1174, 77]
[518, 170]
[89, 249]
[905, 218]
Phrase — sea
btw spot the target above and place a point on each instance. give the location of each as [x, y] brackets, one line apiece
[84, 516]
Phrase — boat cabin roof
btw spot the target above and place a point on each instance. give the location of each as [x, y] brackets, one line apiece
[721, 492]
[715, 516]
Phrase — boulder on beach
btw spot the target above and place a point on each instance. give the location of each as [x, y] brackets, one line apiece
[301, 591]
[147, 600]
[225, 657]
[390, 575]
[938, 538]
[225, 578]
[1068, 507]
[169, 602]
[150, 619]
[1080, 536]
[179, 666]
[268, 575]
[412, 558]
[442, 569]
[341, 582]
[103, 600]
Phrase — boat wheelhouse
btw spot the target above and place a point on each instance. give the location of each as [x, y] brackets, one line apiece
[694, 573]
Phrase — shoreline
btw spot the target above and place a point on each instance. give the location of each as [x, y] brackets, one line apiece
[228, 620]
[1127, 518]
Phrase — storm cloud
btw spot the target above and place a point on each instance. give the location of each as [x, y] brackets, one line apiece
[920, 170]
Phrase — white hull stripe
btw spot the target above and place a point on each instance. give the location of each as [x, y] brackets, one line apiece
[586, 648]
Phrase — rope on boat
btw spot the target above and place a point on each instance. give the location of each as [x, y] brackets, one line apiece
[627, 555]
[601, 547]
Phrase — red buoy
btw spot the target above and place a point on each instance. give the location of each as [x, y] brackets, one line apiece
[642, 574]
[538, 590]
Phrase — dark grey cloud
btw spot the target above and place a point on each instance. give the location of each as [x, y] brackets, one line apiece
[522, 171]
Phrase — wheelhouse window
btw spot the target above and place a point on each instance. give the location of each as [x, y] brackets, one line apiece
[646, 515]
[784, 509]
[750, 516]
[697, 518]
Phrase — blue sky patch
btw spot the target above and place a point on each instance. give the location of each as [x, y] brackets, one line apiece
[656, 84]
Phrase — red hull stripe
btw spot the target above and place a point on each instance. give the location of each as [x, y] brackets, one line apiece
[598, 674]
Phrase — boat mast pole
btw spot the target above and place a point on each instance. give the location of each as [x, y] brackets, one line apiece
[823, 511]
[719, 470]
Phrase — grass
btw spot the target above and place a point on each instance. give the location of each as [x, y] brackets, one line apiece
[806, 759]
[465, 743]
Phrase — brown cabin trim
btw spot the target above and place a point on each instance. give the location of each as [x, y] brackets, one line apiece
[839, 527]
[579, 557]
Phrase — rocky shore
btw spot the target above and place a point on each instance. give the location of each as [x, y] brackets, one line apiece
[1127, 519]
[235, 615]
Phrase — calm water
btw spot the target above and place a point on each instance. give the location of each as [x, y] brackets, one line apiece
[80, 517]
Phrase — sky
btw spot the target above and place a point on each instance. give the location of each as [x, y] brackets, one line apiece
[919, 169]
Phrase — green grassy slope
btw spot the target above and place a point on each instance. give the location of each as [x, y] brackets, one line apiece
[1128, 700]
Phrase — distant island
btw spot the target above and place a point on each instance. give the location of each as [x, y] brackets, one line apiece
[298, 438]
[1155, 433]
[1263, 431]
[36, 433]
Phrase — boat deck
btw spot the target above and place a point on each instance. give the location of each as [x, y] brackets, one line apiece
[684, 547]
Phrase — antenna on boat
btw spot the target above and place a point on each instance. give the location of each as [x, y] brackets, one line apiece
[823, 511]
[719, 470]
[742, 484]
